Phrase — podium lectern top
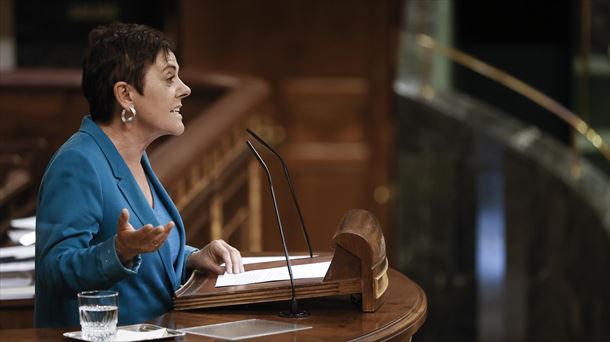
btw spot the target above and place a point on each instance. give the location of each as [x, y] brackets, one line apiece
[358, 266]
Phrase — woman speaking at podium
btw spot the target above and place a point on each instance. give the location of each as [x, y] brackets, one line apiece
[104, 221]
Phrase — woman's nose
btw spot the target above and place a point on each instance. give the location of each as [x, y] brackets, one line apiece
[184, 90]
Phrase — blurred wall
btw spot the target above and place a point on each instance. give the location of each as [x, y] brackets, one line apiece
[330, 64]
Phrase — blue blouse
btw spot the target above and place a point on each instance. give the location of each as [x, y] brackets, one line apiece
[163, 216]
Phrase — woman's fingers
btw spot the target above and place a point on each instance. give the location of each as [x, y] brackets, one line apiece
[158, 236]
[235, 265]
[131, 242]
[230, 256]
[124, 221]
[216, 268]
[213, 255]
[147, 238]
[238, 262]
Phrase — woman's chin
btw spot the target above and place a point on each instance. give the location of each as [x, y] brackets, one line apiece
[180, 125]
[179, 129]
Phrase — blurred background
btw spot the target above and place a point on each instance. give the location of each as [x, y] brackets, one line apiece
[476, 131]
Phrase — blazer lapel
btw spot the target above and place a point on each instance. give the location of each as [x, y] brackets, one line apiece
[179, 225]
[140, 206]
[126, 183]
[129, 187]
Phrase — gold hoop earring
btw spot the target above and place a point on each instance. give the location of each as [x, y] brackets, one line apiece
[127, 117]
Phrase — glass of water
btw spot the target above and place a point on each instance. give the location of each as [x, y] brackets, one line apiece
[99, 313]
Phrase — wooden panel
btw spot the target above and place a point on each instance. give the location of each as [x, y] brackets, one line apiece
[326, 178]
[330, 66]
[269, 38]
[325, 109]
[33, 107]
[16, 314]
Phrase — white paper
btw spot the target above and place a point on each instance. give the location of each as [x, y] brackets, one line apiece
[15, 279]
[256, 260]
[24, 223]
[17, 292]
[17, 234]
[18, 252]
[17, 266]
[317, 270]
[28, 239]
[130, 335]
[22, 236]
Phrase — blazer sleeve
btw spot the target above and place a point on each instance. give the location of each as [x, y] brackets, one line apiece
[69, 213]
[188, 250]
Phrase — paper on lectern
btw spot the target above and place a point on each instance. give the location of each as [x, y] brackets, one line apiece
[316, 270]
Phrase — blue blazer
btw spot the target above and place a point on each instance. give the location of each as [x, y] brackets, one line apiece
[83, 190]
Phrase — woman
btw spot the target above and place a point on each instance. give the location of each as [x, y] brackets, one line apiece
[104, 221]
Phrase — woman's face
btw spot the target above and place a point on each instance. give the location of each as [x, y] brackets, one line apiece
[158, 108]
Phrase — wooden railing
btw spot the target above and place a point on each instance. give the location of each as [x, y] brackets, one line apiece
[522, 88]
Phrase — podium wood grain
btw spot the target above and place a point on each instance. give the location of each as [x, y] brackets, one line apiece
[358, 265]
[332, 318]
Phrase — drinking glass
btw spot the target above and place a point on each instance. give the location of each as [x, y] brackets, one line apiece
[99, 313]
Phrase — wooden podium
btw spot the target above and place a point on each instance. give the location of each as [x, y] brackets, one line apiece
[331, 319]
[358, 266]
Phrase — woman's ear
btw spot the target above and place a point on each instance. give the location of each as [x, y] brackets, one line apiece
[122, 93]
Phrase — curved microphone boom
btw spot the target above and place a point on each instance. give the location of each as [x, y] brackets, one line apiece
[294, 310]
[290, 186]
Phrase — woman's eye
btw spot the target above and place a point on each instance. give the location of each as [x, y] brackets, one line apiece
[171, 78]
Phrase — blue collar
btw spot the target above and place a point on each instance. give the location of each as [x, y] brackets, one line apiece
[119, 168]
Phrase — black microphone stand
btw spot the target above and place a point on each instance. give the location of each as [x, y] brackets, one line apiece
[294, 309]
[290, 186]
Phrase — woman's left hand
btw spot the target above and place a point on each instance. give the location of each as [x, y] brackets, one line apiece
[213, 255]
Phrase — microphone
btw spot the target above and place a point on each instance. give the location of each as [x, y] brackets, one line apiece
[294, 309]
[290, 186]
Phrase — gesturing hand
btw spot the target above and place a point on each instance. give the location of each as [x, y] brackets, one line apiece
[215, 253]
[131, 242]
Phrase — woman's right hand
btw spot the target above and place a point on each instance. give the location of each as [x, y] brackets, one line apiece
[130, 242]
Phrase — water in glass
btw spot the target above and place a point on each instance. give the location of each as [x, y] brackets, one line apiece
[99, 314]
[98, 322]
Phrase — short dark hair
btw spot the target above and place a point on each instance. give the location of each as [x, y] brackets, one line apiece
[118, 52]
